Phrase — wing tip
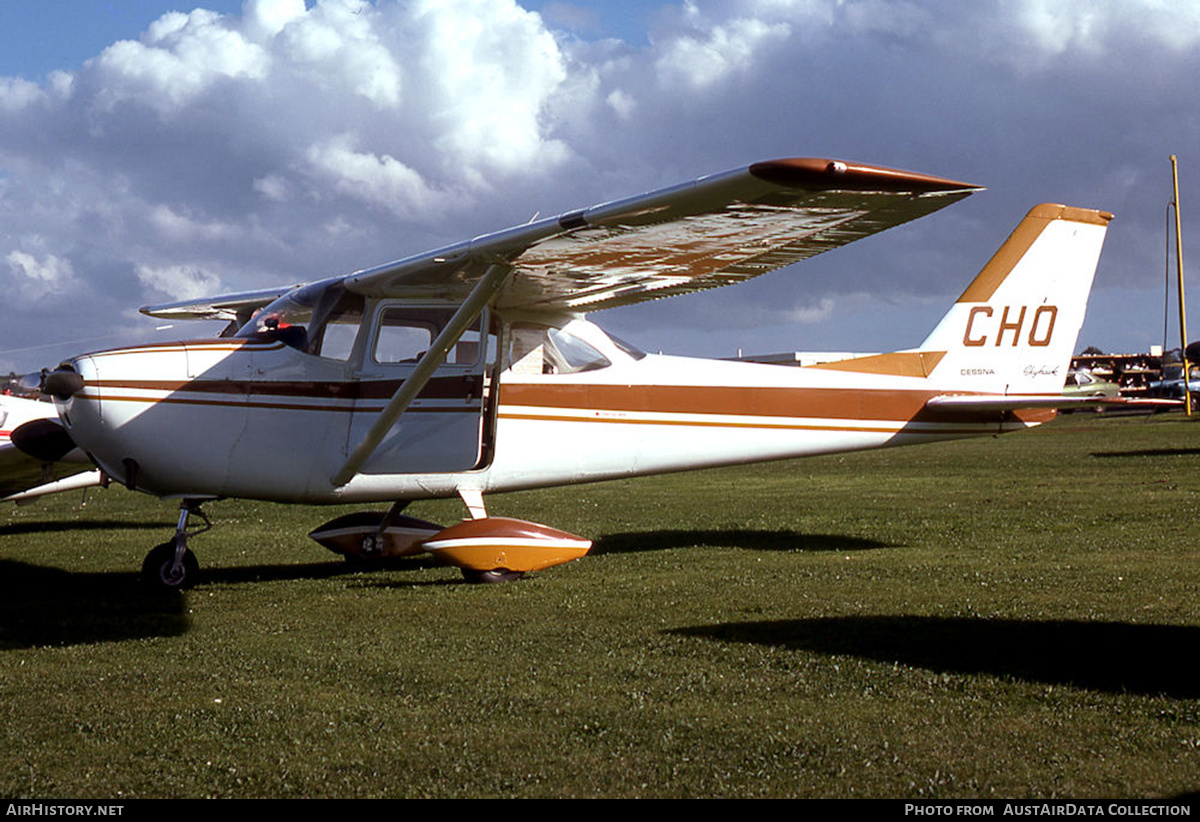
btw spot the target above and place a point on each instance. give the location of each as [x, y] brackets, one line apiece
[824, 173]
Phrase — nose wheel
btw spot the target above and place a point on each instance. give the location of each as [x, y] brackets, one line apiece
[166, 570]
[172, 566]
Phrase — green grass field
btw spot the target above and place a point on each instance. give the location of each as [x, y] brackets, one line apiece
[1000, 618]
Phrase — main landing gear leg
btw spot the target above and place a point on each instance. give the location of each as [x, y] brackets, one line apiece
[372, 544]
[172, 566]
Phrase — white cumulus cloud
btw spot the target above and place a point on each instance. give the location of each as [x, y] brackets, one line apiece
[178, 57]
[179, 282]
[381, 181]
[34, 277]
[704, 56]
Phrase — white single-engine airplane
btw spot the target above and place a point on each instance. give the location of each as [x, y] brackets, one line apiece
[471, 369]
[49, 461]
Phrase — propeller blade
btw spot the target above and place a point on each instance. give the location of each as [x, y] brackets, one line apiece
[62, 384]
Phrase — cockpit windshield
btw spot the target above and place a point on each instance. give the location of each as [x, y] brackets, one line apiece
[321, 319]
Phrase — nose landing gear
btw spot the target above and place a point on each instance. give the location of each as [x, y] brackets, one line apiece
[172, 566]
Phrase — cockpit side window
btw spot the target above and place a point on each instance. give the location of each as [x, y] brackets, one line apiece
[320, 319]
[334, 325]
[338, 335]
[573, 354]
[407, 332]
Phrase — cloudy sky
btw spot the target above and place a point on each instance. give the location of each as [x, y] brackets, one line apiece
[150, 151]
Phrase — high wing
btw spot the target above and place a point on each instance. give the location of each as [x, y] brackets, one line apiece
[229, 307]
[714, 231]
[717, 230]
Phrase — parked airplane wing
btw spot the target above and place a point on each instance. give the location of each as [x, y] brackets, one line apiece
[18, 472]
[714, 231]
[33, 447]
[226, 307]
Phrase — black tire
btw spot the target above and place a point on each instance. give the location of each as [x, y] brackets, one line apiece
[493, 576]
[156, 569]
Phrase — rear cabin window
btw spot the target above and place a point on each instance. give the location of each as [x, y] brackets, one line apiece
[543, 349]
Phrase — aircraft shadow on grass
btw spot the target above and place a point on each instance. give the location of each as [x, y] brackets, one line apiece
[18, 528]
[42, 606]
[1148, 452]
[749, 539]
[1112, 657]
[326, 570]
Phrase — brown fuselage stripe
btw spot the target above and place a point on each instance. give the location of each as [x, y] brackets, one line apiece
[823, 403]
[869, 405]
[279, 406]
[458, 387]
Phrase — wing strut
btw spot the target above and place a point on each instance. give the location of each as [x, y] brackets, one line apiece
[479, 297]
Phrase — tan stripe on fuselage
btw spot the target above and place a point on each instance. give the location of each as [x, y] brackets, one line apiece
[804, 403]
[899, 364]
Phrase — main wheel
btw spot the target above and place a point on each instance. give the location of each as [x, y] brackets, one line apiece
[494, 575]
[156, 569]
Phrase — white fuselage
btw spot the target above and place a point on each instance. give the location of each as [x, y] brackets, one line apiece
[245, 418]
[333, 395]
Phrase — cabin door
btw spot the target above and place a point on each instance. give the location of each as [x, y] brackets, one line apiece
[443, 430]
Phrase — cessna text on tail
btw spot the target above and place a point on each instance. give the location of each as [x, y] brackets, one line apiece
[472, 369]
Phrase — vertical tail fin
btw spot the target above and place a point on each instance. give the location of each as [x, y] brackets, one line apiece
[1013, 331]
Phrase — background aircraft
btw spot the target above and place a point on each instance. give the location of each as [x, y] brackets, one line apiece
[472, 369]
[48, 462]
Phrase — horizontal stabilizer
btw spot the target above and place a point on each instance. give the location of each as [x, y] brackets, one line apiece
[1016, 402]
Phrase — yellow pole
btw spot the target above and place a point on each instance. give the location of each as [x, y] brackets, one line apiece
[1187, 395]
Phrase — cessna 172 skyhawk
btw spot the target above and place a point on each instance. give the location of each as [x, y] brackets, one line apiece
[471, 369]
